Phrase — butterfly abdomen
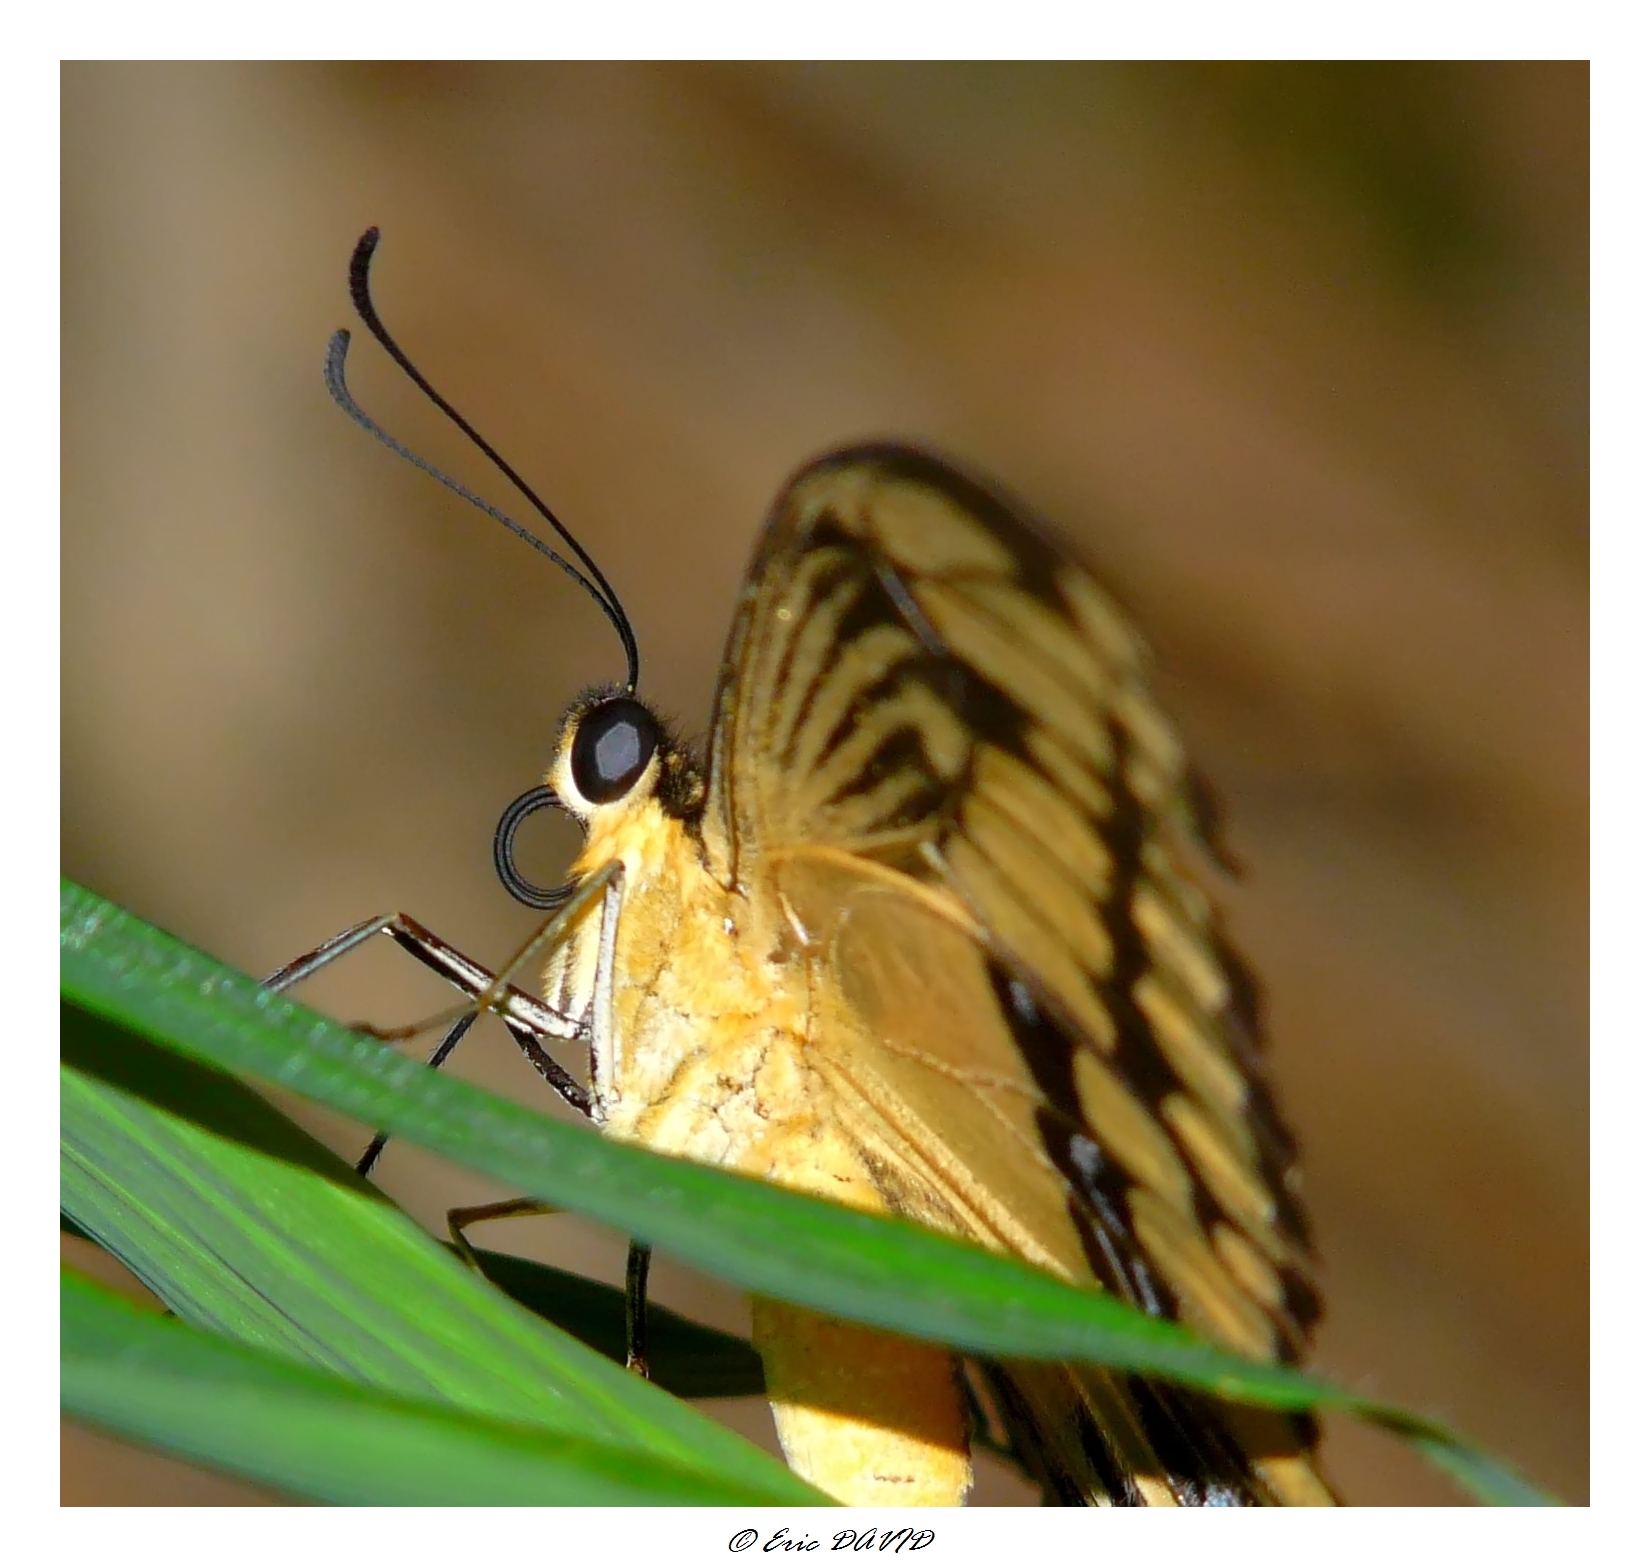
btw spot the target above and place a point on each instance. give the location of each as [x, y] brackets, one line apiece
[871, 1419]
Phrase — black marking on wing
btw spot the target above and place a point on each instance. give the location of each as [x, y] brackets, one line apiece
[879, 604]
[1204, 1465]
[1103, 1470]
[1098, 1189]
[802, 702]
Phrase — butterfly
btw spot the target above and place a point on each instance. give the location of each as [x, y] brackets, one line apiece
[925, 934]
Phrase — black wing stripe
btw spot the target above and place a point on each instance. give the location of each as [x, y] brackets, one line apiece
[868, 739]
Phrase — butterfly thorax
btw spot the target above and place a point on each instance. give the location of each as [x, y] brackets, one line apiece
[701, 1053]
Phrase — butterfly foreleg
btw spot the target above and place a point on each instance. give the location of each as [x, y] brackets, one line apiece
[449, 1042]
[522, 1013]
[489, 990]
[528, 1019]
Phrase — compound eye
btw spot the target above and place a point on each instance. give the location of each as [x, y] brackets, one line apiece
[612, 748]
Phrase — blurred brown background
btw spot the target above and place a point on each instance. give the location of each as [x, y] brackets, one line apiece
[1295, 354]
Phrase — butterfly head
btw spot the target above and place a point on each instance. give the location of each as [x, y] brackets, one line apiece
[614, 754]
[616, 762]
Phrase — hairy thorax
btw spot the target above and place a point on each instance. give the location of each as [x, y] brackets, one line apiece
[702, 1050]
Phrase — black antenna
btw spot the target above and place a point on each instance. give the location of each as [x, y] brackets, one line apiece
[595, 584]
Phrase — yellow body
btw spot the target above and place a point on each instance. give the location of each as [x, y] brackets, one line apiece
[706, 1056]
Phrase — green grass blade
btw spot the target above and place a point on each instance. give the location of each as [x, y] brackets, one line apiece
[321, 1436]
[243, 1224]
[772, 1242]
[685, 1357]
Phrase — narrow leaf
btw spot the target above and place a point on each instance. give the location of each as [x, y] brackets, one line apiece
[317, 1435]
[242, 1223]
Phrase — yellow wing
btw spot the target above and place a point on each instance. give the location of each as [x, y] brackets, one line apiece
[936, 740]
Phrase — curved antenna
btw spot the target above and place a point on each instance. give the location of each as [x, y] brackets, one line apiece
[337, 348]
[595, 583]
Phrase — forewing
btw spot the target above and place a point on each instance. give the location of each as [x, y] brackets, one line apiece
[935, 735]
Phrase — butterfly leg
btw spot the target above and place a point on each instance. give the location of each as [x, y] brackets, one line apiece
[635, 1309]
[449, 1042]
[460, 1219]
[488, 991]
[527, 1018]
[440, 957]
[635, 1272]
